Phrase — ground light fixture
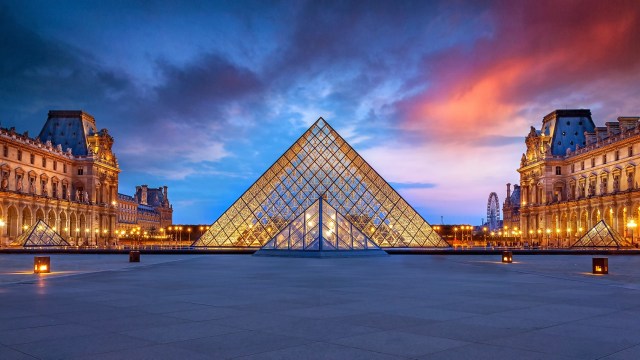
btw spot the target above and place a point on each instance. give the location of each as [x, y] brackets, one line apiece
[600, 266]
[41, 264]
[507, 257]
[134, 256]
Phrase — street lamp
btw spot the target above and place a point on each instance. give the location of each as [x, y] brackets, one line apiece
[455, 233]
[632, 225]
[189, 231]
[557, 237]
[2, 225]
[548, 236]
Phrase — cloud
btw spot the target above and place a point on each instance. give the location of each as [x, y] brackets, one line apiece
[536, 56]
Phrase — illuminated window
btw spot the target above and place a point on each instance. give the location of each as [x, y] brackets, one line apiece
[19, 155]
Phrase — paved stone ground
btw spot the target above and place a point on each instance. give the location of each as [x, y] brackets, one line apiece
[396, 307]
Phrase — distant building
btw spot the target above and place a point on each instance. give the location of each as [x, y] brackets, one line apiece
[511, 209]
[67, 176]
[148, 209]
[575, 174]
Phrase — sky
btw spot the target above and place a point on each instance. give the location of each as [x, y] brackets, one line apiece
[203, 96]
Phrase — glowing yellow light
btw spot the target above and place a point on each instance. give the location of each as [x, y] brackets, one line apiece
[43, 267]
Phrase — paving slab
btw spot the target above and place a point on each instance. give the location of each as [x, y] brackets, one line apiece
[100, 306]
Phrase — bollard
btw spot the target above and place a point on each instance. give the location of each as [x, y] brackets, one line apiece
[41, 264]
[134, 256]
[507, 257]
[600, 265]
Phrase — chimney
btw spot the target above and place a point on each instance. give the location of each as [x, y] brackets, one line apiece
[143, 197]
[508, 199]
[166, 194]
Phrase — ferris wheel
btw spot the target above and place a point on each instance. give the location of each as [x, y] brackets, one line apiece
[493, 212]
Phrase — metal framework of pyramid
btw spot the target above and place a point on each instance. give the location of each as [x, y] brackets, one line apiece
[320, 228]
[39, 234]
[601, 235]
[319, 163]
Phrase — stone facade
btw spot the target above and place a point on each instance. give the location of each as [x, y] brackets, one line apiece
[148, 209]
[575, 174]
[511, 209]
[67, 176]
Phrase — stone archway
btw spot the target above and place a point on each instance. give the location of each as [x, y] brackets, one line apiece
[26, 217]
[574, 229]
[39, 214]
[52, 220]
[13, 229]
[64, 225]
[74, 230]
[84, 229]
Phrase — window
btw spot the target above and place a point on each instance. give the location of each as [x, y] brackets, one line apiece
[5, 151]
[593, 162]
[81, 171]
[19, 155]
[630, 151]
[604, 158]
[44, 162]
[573, 168]
[617, 155]
[582, 165]
[558, 170]
[55, 165]
[64, 168]
[32, 159]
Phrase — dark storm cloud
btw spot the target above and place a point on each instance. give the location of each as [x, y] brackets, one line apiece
[207, 82]
[37, 73]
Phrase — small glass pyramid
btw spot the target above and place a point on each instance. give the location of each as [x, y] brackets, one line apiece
[39, 234]
[320, 162]
[601, 235]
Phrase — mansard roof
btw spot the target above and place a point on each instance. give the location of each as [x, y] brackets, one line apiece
[69, 129]
[566, 129]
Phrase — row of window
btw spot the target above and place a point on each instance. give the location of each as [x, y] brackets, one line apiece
[32, 160]
[616, 157]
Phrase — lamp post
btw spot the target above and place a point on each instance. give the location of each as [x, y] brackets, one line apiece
[2, 225]
[548, 236]
[484, 233]
[189, 231]
[632, 226]
[455, 233]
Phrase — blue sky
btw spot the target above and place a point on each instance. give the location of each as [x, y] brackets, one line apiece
[204, 96]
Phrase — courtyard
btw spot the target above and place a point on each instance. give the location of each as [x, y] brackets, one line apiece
[245, 307]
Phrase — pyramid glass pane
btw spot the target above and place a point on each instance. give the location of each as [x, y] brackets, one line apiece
[601, 235]
[316, 227]
[39, 234]
[321, 163]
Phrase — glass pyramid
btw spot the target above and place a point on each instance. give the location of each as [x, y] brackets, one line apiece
[39, 234]
[320, 228]
[601, 235]
[320, 162]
